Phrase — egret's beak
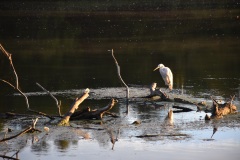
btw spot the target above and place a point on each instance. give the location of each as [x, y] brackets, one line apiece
[156, 68]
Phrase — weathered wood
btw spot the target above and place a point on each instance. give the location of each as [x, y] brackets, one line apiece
[93, 114]
[157, 92]
[65, 120]
[220, 110]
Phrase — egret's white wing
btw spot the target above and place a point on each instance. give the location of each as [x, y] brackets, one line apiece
[164, 73]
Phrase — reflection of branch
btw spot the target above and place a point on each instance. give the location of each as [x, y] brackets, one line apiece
[214, 130]
[58, 104]
[113, 138]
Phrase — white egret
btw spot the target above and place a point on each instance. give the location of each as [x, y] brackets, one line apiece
[166, 74]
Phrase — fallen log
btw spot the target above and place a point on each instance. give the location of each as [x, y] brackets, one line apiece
[65, 120]
[93, 114]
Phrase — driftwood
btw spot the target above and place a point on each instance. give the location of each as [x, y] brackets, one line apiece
[154, 91]
[93, 114]
[220, 110]
[74, 107]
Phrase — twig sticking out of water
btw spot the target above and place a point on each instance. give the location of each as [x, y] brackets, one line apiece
[16, 87]
[29, 129]
[119, 76]
[58, 103]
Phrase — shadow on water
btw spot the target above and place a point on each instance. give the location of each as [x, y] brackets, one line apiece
[64, 47]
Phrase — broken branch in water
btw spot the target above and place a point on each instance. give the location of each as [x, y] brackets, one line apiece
[157, 92]
[58, 103]
[65, 120]
[92, 114]
[17, 83]
[220, 110]
[8, 157]
[29, 129]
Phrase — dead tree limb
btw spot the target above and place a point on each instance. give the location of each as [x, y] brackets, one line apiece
[94, 114]
[7, 157]
[17, 83]
[65, 120]
[220, 110]
[157, 92]
[26, 100]
[58, 103]
[29, 129]
[9, 56]
[119, 76]
[17, 89]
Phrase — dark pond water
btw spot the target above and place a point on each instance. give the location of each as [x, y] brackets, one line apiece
[65, 47]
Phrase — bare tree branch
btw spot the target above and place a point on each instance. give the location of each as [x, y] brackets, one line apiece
[119, 75]
[11, 63]
[58, 103]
